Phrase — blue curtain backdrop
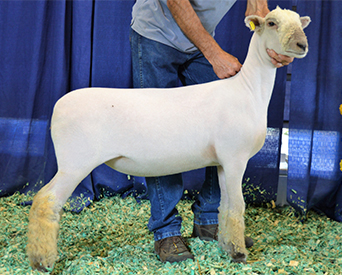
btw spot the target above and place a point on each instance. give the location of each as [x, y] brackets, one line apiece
[51, 47]
[314, 179]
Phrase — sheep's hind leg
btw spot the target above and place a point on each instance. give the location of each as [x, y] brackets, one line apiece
[44, 218]
[231, 211]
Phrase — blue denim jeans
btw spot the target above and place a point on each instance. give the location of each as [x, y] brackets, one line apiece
[156, 65]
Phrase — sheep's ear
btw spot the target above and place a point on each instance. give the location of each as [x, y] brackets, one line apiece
[305, 21]
[255, 23]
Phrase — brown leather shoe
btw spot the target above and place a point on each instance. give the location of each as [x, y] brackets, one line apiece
[209, 233]
[172, 249]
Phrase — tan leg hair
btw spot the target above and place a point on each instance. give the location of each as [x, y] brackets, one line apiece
[43, 229]
[231, 233]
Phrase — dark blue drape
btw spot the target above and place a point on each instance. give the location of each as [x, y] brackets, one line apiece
[34, 72]
[314, 179]
[51, 47]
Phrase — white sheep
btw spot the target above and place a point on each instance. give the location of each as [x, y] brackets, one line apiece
[155, 132]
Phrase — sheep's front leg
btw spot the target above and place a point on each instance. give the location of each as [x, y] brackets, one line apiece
[231, 212]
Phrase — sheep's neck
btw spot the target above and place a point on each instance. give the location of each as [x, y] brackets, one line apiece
[258, 72]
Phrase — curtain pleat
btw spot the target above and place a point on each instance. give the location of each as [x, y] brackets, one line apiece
[314, 179]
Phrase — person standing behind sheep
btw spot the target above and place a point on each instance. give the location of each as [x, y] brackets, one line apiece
[172, 40]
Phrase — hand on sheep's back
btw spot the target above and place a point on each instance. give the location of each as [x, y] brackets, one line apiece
[225, 65]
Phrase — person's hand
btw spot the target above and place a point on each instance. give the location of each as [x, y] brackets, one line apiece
[225, 65]
[257, 7]
[279, 60]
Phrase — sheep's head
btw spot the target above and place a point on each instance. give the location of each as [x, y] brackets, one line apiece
[282, 31]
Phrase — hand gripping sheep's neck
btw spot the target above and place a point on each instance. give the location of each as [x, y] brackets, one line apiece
[154, 132]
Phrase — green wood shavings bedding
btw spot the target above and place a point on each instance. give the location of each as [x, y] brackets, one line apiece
[111, 237]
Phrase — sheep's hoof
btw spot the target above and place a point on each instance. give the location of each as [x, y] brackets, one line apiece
[41, 268]
[39, 260]
[237, 253]
[41, 253]
[239, 258]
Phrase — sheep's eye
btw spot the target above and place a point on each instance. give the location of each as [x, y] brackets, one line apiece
[271, 24]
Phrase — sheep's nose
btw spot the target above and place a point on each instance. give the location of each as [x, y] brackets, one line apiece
[302, 46]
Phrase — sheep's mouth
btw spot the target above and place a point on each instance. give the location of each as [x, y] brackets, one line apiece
[296, 54]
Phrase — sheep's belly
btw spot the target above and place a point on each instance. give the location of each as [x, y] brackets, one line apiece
[158, 167]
